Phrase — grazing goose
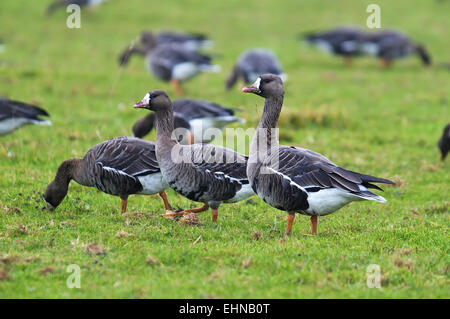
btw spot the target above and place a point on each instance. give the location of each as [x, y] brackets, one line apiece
[173, 62]
[253, 63]
[121, 166]
[64, 3]
[146, 42]
[14, 114]
[201, 172]
[197, 116]
[444, 142]
[295, 179]
[342, 41]
[388, 45]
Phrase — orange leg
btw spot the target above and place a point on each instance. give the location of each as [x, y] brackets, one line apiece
[314, 225]
[291, 218]
[176, 86]
[192, 210]
[385, 63]
[166, 201]
[190, 138]
[124, 205]
[215, 213]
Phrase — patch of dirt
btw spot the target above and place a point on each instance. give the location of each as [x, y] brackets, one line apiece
[46, 270]
[95, 249]
[152, 260]
[406, 263]
[123, 234]
[190, 219]
[257, 235]
[246, 263]
[22, 229]
[3, 274]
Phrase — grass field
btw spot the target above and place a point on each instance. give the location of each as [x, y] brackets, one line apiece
[364, 118]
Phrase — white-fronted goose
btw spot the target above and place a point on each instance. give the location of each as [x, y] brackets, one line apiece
[64, 3]
[14, 114]
[295, 179]
[444, 142]
[197, 116]
[174, 63]
[342, 41]
[121, 166]
[389, 45]
[251, 64]
[146, 39]
[201, 172]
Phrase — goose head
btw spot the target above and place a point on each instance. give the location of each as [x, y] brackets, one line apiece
[156, 100]
[266, 85]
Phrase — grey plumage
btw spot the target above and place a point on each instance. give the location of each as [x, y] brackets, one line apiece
[147, 41]
[201, 172]
[120, 166]
[294, 179]
[344, 41]
[173, 61]
[14, 114]
[251, 64]
[390, 45]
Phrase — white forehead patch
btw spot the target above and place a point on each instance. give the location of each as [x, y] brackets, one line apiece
[146, 98]
[257, 83]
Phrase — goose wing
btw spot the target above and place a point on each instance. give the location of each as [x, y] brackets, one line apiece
[126, 155]
[193, 109]
[9, 109]
[312, 171]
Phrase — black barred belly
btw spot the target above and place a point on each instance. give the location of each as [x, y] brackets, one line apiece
[279, 193]
[207, 192]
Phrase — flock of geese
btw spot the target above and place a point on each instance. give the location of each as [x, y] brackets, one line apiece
[291, 179]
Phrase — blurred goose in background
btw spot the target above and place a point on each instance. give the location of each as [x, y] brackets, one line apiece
[145, 42]
[64, 3]
[389, 45]
[2, 46]
[175, 63]
[197, 116]
[14, 114]
[201, 172]
[251, 64]
[444, 142]
[342, 41]
[121, 166]
[296, 179]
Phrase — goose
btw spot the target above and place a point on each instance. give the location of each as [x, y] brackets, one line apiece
[64, 3]
[341, 41]
[388, 45]
[251, 64]
[201, 172]
[197, 116]
[121, 166]
[444, 142]
[145, 43]
[172, 62]
[294, 179]
[14, 114]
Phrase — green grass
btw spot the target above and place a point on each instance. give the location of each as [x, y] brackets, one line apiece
[381, 122]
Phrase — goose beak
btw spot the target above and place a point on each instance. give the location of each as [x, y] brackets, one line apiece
[140, 105]
[251, 89]
[254, 88]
